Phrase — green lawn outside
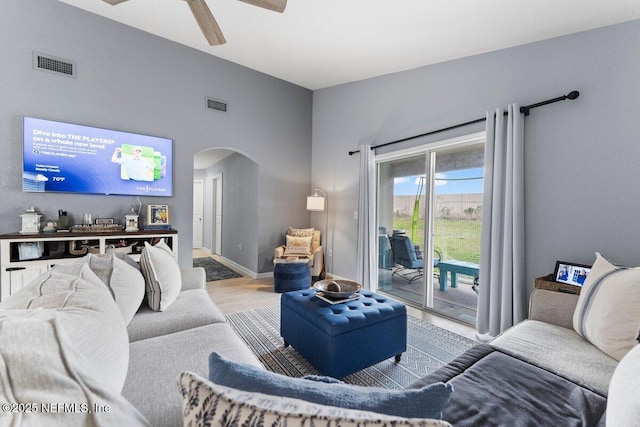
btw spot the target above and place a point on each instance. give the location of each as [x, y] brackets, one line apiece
[455, 238]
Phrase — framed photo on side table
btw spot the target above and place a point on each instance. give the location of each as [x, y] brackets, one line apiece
[158, 215]
[571, 273]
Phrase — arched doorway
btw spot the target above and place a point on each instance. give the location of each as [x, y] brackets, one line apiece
[225, 206]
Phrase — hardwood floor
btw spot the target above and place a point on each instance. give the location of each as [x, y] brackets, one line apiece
[246, 293]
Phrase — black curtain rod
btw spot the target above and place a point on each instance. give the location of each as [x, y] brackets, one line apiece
[525, 110]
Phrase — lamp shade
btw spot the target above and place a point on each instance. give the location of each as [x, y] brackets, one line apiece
[315, 203]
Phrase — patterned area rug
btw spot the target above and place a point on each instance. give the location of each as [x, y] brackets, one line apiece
[428, 348]
[215, 270]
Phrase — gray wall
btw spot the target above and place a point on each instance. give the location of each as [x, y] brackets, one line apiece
[581, 156]
[132, 81]
[240, 214]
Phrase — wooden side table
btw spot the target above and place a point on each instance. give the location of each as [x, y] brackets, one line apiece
[547, 282]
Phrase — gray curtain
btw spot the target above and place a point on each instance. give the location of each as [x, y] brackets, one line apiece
[367, 235]
[502, 293]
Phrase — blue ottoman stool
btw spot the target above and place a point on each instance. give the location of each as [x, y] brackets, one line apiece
[291, 276]
[340, 339]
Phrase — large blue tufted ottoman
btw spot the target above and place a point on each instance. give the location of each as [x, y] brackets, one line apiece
[291, 276]
[340, 339]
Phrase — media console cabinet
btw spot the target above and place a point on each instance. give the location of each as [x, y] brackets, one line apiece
[23, 257]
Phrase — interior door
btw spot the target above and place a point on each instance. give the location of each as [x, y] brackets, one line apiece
[217, 209]
[198, 208]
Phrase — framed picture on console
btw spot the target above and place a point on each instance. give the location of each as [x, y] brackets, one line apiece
[158, 215]
[104, 221]
[571, 273]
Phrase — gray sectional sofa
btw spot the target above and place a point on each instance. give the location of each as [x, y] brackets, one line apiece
[74, 352]
[541, 372]
[82, 346]
[181, 338]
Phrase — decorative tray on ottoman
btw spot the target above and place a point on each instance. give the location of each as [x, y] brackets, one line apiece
[335, 291]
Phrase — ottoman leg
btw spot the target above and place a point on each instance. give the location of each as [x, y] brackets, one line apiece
[286, 344]
[398, 357]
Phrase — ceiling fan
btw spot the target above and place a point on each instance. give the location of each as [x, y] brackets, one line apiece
[207, 22]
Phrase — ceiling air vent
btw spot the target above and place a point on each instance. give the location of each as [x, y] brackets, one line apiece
[217, 105]
[51, 64]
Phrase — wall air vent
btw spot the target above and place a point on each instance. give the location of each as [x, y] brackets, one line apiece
[51, 64]
[217, 105]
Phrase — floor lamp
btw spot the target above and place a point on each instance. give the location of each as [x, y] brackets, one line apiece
[319, 202]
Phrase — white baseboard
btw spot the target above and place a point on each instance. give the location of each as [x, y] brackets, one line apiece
[244, 270]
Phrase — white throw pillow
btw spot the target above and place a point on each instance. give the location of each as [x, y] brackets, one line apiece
[126, 282]
[46, 381]
[205, 400]
[300, 232]
[84, 306]
[300, 246]
[623, 405]
[607, 314]
[162, 275]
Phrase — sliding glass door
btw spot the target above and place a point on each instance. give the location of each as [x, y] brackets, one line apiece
[429, 213]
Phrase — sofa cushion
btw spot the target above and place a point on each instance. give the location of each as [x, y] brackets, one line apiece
[297, 246]
[40, 370]
[558, 349]
[162, 275]
[85, 308]
[126, 282]
[156, 362]
[494, 388]
[205, 400]
[623, 405]
[427, 402]
[607, 313]
[191, 309]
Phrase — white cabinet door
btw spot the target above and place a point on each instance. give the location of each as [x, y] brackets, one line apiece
[22, 277]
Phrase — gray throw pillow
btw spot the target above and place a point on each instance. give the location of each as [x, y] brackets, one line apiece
[426, 402]
[125, 282]
[162, 275]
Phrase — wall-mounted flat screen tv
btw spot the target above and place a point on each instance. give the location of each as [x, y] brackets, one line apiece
[65, 157]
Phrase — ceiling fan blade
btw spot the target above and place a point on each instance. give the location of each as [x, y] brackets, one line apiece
[207, 22]
[114, 2]
[275, 5]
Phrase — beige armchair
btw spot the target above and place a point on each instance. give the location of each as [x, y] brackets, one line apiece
[314, 252]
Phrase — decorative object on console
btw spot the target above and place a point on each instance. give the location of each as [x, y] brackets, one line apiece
[571, 273]
[104, 221]
[97, 228]
[63, 221]
[131, 220]
[158, 217]
[50, 227]
[30, 221]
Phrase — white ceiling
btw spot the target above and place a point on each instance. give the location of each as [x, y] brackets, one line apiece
[321, 43]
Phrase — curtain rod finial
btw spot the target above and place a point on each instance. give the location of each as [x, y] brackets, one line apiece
[573, 94]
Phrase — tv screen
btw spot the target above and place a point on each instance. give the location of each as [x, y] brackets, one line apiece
[65, 157]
